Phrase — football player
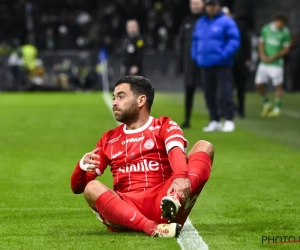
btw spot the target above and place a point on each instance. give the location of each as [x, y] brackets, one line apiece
[156, 184]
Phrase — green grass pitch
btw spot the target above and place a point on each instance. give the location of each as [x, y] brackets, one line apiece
[253, 190]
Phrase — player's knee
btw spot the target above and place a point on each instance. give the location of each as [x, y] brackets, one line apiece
[92, 191]
[205, 146]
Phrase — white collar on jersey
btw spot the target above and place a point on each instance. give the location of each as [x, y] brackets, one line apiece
[273, 27]
[133, 131]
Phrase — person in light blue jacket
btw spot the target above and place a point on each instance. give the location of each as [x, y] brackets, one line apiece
[216, 39]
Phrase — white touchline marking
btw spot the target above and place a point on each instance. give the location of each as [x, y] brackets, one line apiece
[107, 100]
[291, 113]
[189, 238]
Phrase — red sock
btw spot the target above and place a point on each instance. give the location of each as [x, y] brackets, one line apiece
[199, 170]
[117, 211]
[199, 165]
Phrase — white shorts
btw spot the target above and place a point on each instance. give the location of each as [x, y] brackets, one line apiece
[265, 73]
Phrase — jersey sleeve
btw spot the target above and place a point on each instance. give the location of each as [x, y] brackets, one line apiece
[286, 39]
[172, 135]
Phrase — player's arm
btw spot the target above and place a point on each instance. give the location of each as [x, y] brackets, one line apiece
[175, 146]
[282, 53]
[286, 46]
[261, 45]
[261, 50]
[177, 159]
[91, 166]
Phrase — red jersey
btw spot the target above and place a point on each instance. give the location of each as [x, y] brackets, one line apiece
[139, 158]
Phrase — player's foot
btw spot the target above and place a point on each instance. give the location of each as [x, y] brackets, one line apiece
[274, 113]
[167, 230]
[213, 126]
[169, 206]
[185, 125]
[228, 126]
[266, 109]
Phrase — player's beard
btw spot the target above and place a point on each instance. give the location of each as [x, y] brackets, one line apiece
[128, 115]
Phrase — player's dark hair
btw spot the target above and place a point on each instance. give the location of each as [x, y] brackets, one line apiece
[139, 85]
[281, 17]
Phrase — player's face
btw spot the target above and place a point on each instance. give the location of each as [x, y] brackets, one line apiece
[125, 105]
[196, 6]
[279, 24]
[212, 9]
[132, 28]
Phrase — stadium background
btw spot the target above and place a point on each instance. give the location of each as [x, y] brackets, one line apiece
[79, 28]
[253, 191]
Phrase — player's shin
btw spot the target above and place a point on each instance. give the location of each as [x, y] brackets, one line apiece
[117, 211]
[199, 165]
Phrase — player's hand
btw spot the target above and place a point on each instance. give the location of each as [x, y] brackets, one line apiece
[181, 186]
[264, 58]
[268, 59]
[93, 159]
[271, 58]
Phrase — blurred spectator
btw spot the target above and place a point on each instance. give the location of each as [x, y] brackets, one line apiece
[186, 64]
[5, 48]
[294, 56]
[215, 41]
[37, 76]
[14, 63]
[133, 49]
[274, 44]
[29, 55]
[242, 61]
[76, 20]
[65, 40]
[66, 75]
[50, 43]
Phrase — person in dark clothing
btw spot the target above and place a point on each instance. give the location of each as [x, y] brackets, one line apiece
[242, 62]
[186, 64]
[133, 49]
[216, 39]
[241, 66]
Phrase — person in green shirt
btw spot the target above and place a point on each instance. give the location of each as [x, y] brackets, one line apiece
[274, 44]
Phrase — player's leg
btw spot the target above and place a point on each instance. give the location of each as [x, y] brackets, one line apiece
[210, 93]
[261, 79]
[116, 211]
[200, 159]
[277, 80]
[188, 101]
[240, 77]
[191, 80]
[224, 79]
